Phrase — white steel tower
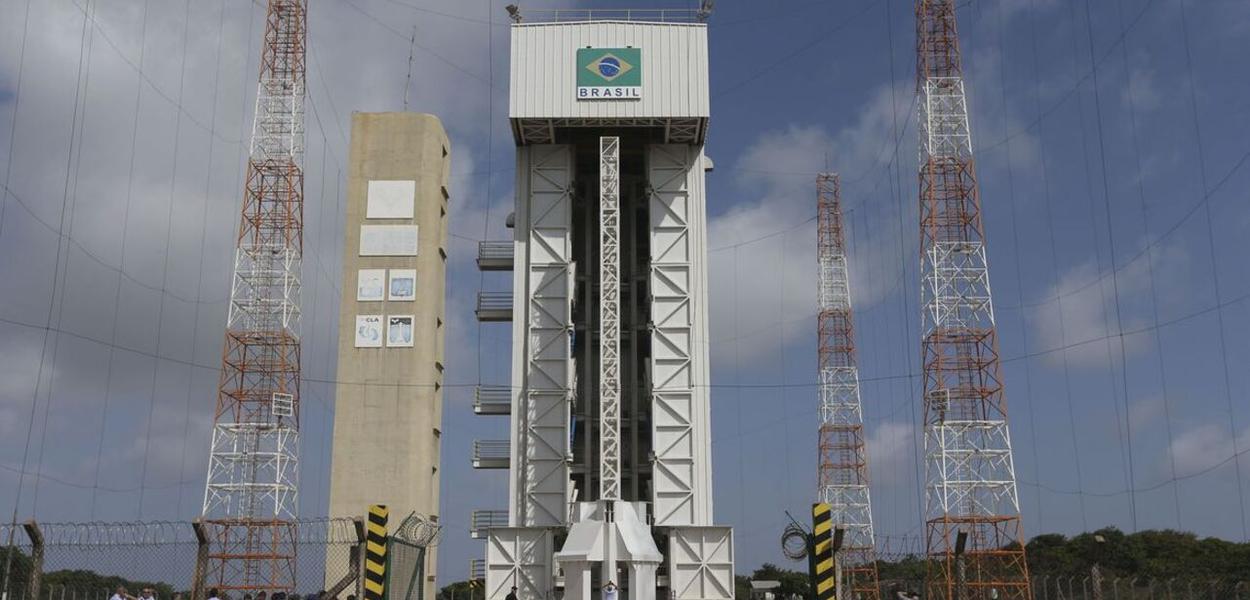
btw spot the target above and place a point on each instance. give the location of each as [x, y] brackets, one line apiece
[843, 459]
[608, 457]
[250, 498]
[974, 537]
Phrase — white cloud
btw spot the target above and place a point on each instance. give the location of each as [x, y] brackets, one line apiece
[890, 447]
[1079, 311]
[757, 284]
[1145, 411]
[1204, 447]
[1141, 92]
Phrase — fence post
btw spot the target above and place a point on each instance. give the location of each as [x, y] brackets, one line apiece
[36, 556]
[201, 559]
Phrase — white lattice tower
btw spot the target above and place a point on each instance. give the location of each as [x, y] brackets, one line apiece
[843, 467]
[252, 489]
[974, 537]
[609, 319]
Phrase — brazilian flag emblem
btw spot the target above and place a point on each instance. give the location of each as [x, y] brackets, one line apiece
[609, 73]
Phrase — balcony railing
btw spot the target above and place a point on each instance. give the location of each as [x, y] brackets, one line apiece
[490, 454]
[483, 520]
[494, 256]
[647, 15]
[492, 400]
[494, 306]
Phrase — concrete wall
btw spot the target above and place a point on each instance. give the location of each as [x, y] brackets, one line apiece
[388, 406]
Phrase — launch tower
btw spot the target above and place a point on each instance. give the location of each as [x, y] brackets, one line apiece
[609, 452]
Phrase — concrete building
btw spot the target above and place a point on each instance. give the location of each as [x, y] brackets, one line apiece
[609, 450]
[389, 401]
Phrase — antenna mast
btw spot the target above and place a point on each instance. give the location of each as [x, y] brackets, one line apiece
[251, 496]
[843, 470]
[974, 537]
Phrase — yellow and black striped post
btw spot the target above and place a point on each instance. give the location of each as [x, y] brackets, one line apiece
[824, 574]
[375, 553]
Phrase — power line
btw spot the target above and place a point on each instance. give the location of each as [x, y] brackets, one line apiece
[169, 230]
[100, 261]
[401, 35]
[117, 293]
[1076, 86]
[195, 319]
[1054, 257]
[74, 166]
[1154, 295]
[1215, 268]
[1115, 280]
[17, 103]
[159, 92]
[34, 401]
[815, 41]
[1016, 252]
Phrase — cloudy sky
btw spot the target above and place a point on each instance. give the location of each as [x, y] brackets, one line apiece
[1111, 144]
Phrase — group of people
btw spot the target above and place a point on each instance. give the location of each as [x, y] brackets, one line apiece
[262, 595]
[610, 592]
[150, 594]
[121, 593]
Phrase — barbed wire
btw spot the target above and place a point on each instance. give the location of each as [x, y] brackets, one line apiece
[323, 530]
[418, 530]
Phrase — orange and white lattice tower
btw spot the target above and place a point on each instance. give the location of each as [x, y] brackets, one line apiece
[251, 496]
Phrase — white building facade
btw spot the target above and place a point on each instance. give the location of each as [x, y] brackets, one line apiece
[609, 452]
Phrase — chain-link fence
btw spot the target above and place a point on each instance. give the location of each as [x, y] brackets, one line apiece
[902, 563]
[89, 561]
[1047, 587]
[407, 558]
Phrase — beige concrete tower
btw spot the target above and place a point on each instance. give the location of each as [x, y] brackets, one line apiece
[389, 402]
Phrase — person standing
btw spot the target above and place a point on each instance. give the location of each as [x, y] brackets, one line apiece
[512, 594]
[609, 591]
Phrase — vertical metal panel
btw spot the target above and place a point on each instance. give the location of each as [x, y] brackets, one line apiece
[682, 484]
[701, 563]
[520, 557]
[539, 470]
[674, 69]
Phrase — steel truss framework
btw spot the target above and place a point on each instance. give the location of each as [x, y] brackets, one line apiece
[843, 461]
[974, 534]
[541, 454]
[252, 490]
[609, 319]
[676, 130]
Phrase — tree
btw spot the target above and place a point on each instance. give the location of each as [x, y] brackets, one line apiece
[19, 568]
[461, 590]
[792, 582]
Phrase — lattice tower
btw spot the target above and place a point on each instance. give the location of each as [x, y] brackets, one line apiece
[251, 496]
[974, 535]
[843, 468]
[609, 319]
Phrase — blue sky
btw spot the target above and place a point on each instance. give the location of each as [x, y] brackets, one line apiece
[1110, 140]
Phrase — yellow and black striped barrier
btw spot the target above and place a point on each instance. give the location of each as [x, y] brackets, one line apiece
[375, 553]
[822, 534]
